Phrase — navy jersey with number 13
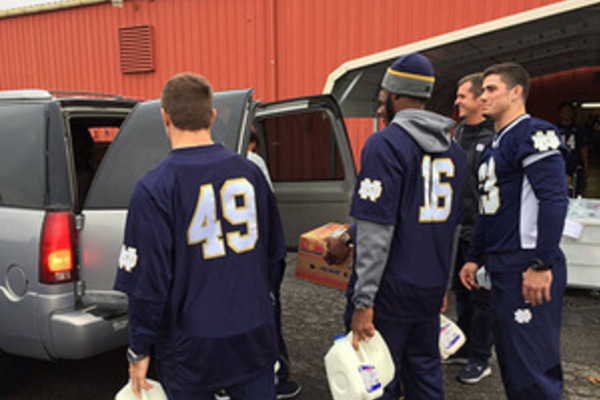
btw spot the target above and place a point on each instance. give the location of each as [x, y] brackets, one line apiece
[523, 197]
[202, 235]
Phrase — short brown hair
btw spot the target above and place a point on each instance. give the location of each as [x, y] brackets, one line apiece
[188, 100]
[476, 83]
[512, 74]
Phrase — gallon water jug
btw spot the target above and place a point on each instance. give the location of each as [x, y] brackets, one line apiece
[156, 393]
[451, 337]
[362, 374]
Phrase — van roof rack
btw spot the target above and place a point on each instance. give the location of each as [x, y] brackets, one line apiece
[38, 94]
[66, 93]
[27, 94]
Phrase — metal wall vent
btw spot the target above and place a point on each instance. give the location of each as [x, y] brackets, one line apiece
[136, 48]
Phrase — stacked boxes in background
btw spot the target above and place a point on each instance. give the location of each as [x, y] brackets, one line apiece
[581, 243]
[311, 265]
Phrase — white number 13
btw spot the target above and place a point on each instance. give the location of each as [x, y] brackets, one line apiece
[489, 201]
[238, 204]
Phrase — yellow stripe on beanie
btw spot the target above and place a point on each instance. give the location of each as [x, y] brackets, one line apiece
[411, 76]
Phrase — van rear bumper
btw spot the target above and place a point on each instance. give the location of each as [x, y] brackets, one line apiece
[78, 334]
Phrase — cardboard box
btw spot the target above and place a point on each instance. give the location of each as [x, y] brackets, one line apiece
[310, 264]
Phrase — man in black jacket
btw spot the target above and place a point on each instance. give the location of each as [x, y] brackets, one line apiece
[473, 307]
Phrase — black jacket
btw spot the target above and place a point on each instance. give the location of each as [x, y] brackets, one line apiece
[472, 139]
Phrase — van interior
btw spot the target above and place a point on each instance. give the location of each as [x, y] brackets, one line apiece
[300, 147]
[90, 138]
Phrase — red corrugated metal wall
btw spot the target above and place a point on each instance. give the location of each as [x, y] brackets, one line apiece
[78, 48]
[315, 36]
[282, 48]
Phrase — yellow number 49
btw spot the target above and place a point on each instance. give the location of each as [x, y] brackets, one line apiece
[238, 204]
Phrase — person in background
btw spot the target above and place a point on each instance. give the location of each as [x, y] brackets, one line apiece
[286, 387]
[576, 139]
[202, 242]
[473, 134]
[407, 207]
[522, 208]
[253, 156]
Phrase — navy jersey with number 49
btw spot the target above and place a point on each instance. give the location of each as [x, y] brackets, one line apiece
[202, 235]
[523, 195]
[420, 194]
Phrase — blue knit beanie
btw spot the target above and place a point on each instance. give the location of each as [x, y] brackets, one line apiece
[410, 75]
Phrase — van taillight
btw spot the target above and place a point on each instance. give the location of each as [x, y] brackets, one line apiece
[57, 253]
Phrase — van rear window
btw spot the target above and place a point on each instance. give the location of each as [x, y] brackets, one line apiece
[22, 142]
[142, 143]
[91, 137]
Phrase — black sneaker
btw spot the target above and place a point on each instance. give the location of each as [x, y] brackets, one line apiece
[285, 390]
[474, 371]
[222, 395]
[288, 389]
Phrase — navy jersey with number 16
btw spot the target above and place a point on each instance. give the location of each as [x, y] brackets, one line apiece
[202, 235]
[420, 194]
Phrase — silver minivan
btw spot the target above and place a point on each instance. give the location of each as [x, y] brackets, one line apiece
[66, 177]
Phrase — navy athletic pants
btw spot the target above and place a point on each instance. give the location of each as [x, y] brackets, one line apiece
[414, 347]
[527, 338]
[474, 311]
[261, 387]
[415, 350]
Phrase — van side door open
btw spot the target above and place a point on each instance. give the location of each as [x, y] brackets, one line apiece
[307, 151]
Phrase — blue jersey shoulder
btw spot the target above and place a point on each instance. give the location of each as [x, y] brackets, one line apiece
[533, 138]
[531, 128]
[537, 123]
[157, 175]
[391, 143]
[380, 139]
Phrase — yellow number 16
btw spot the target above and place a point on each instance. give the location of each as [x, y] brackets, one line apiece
[437, 203]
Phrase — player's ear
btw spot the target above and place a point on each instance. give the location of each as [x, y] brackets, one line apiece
[517, 92]
[213, 116]
[165, 117]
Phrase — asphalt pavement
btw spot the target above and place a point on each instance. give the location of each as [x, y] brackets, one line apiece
[312, 316]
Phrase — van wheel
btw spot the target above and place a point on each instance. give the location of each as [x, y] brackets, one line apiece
[13, 370]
